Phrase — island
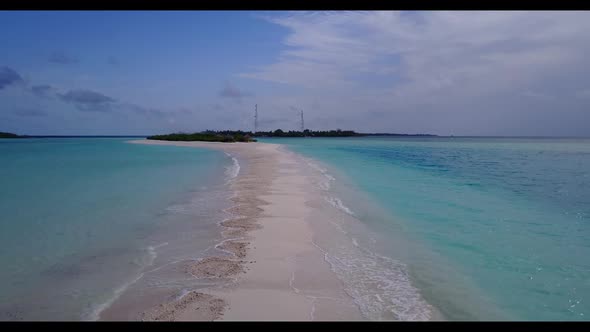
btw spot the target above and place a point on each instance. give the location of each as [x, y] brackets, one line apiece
[10, 135]
[325, 133]
[207, 136]
[230, 136]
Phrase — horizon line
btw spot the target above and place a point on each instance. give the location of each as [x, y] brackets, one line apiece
[374, 134]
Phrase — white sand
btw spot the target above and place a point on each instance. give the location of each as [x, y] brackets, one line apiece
[287, 278]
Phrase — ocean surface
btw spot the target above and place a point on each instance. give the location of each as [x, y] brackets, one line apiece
[465, 228]
[476, 228]
[84, 218]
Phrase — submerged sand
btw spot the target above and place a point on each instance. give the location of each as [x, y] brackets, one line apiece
[279, 272]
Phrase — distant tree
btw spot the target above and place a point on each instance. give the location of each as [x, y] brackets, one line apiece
[8, 135]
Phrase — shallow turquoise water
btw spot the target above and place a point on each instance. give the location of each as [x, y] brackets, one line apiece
[82, 216]
[489, 228]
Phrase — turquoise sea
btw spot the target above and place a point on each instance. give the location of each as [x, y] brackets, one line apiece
[485, 228]
[478, 228]
[82, 218]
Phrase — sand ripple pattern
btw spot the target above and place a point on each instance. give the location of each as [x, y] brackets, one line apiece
[230, 263]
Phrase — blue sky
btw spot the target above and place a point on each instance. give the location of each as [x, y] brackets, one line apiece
[130, 72]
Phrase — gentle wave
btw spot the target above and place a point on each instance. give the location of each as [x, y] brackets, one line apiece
[152, 252]
[326, 185]
[94, 315]
[220, 244]
[233, 170]
[328, 178]
[337, 203]
[379, 285]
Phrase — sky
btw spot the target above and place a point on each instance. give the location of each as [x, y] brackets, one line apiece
[505, 73]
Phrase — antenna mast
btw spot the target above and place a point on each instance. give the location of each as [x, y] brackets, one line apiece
[302, 125]
[255, 118]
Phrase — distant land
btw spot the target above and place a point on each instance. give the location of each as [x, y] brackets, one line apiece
[325, 133]
[10, 135]
[229, 136]
[207, 136]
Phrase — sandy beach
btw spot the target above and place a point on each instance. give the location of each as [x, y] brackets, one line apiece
[280, 273]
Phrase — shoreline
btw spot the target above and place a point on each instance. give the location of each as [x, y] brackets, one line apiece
[274, 258]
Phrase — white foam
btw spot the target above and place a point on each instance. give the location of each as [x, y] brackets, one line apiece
[380, 286]
[152, 252]
[220, 223]
[220, 244]
[95, 314]
[337, 203]
[182, 294]
[324, 185]
[232, 171]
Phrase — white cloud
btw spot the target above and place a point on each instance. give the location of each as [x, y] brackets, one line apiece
[420, 63]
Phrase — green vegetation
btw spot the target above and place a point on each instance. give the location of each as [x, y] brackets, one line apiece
[325, 133]
[207, 136]
[307, 133]
[229, 136]
[9, 135]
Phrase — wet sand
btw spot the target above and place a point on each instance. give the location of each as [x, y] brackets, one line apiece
[279, 273]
